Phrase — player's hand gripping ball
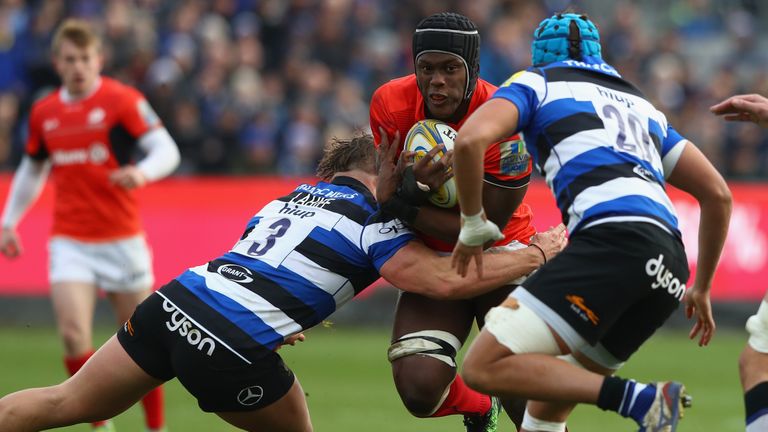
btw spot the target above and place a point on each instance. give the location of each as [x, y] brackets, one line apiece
[423, 137]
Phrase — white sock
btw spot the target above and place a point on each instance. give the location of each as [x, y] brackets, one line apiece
[759, 424]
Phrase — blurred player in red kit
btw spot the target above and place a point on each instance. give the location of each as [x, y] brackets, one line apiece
[84, 134]
[428, 333]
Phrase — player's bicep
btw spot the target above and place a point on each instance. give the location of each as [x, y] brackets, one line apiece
[695, 174]
[490, 123]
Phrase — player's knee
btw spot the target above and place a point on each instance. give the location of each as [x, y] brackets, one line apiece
[421, 383]
[475, 377]
[420, 378]
[76, 338]
[418, 402]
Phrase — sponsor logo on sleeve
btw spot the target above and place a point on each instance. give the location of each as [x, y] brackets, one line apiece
[147, 113]
[393, 227]
[514, 157]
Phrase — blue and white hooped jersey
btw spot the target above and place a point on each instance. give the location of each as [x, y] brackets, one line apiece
[603, 149]
[301, 257]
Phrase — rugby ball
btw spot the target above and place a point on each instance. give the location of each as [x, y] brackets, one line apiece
[423, 137]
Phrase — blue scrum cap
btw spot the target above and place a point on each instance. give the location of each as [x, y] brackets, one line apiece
[565, 36]
[450, 33]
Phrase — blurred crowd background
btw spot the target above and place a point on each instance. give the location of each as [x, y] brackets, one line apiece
[258, 86]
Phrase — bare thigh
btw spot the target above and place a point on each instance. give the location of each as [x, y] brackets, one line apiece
[288, 414]
[415, 312]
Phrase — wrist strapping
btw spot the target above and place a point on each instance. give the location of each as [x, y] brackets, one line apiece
[399, 208]
[475, 220]
[476, 230]
[409, 189]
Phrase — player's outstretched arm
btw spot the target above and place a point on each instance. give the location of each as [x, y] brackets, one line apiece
[26, 187]
[746, 108]
[494, 120]
[416, 268]
[696, 175]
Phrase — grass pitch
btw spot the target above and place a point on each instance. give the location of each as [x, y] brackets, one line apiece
[346, 376]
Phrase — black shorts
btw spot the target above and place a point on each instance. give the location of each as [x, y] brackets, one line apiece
[167, 342]
[615, 283]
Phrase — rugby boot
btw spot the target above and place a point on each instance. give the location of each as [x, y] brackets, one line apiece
[667, 407]
[485, 423]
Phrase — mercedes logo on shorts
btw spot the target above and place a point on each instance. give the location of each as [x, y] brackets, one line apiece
[250, 395]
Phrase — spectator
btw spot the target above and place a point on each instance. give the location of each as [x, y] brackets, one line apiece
[243, 58]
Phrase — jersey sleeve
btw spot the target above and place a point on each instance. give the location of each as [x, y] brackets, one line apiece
[671, 148]
[137, 116]
[507, 164]
[380, 117]
[525, 89]
[383, 237]
[35, 147]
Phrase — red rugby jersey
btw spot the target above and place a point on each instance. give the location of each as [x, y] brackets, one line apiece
[85, 141]
[398, 105]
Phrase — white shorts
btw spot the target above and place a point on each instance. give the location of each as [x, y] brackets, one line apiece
[117, 266]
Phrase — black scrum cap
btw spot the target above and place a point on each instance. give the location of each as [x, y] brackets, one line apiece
[450, 33]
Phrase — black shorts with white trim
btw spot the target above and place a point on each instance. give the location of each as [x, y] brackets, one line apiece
[220, 371]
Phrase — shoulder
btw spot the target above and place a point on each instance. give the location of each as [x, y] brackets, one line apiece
[484, 87]
[395, 90]
[46, 104]
[48, 101]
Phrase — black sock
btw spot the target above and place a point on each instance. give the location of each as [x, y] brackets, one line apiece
[756, 401]
[611, 393]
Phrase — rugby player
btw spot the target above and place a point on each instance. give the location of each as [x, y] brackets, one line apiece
[216, 326]
[84, 134]
[606, 153]
[428, 333]
[753, 362]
